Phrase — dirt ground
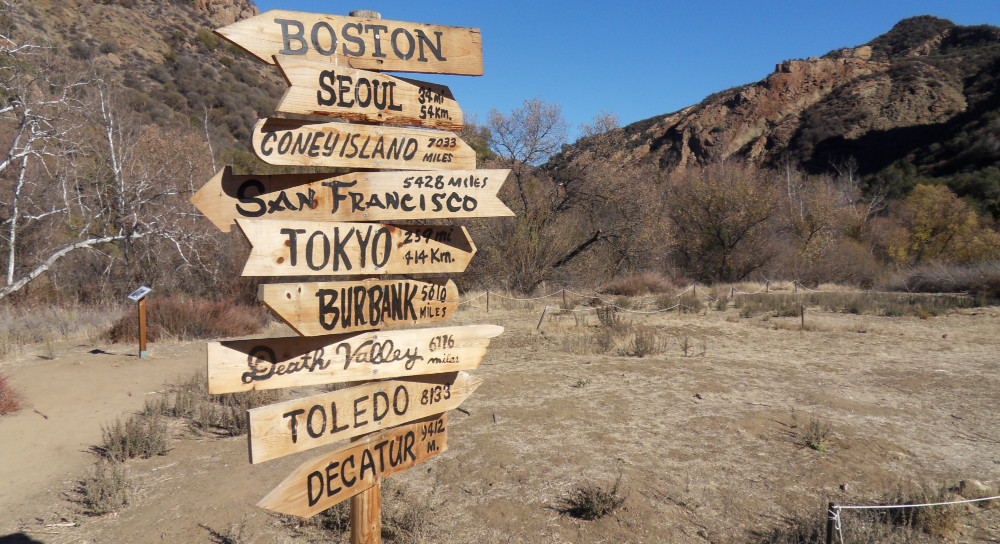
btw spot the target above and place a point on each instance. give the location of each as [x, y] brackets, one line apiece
[706, 441]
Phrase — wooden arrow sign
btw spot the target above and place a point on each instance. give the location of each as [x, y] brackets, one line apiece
[314, 309]
[371, 44]
[245, 365]
[338, 91]
[297, 425]
[312, 248]
[334, 477]
[360, 196]
[287, 142]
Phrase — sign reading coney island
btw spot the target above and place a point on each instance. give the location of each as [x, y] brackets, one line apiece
[359, 196]
[356, 42]
[314, 309]
[341, 474]
[339, 91]
[312, 248]
[246, 365]
[297, 425]
[286, 142]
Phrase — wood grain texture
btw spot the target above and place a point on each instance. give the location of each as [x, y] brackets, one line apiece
[271, 363]
[358, 196]
[370, 44]
[287, 142]
[319, 89]
[300, 424]
[313, 248]
[333, 477]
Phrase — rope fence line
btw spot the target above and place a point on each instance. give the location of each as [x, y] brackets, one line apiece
[834, 519]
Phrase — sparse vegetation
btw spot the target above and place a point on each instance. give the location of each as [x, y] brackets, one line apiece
[140, 436]
[816, 434]
[106, 489]
[222, 414]
[186, 319]
[9, 400]
[591, 502]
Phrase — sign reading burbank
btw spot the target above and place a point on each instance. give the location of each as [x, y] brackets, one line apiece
[333, 477]
[313, 248]
[314, 309]
[359, 95]
[360, 196]
[271, 363]
[297, 425]
[286, 142]
[357, 42]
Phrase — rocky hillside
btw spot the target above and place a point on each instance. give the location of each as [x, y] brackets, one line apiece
[919, 102]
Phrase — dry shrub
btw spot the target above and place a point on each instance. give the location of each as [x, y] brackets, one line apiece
[106, 489]
[645, 341]
[980, 278]
[638, 284]
[140, 436]
[224, 414]
[9, 400]
[592, 502]
[189, 320]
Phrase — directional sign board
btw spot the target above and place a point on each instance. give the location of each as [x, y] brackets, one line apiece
[314, 309]
[334, 477]
[139, 293]
[285, 142]
[297, 425]
[370, 44]
[359, 196]
[339, 91]
[310, 248]
[246, 365]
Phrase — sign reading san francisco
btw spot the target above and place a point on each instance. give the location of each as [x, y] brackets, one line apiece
[313, 309]
[357, 42]
[338, 91]
[360, 196]
[286, 142]
[297, 425]
[333, 477]
[312, 248]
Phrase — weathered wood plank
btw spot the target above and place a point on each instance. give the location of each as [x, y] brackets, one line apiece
[370, 44]
[270, 363]
[359, 95]
[333, 477]
[297, 425]
[359, 196]
[313, 248]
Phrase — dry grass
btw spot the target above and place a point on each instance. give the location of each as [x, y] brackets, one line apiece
[140, 436]
[220, 414]
[106, 489]
[9, 399]
[185, 319]
[24, 325]
[639, 284]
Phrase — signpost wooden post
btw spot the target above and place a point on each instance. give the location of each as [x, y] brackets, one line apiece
[335, 225]
[139, 296]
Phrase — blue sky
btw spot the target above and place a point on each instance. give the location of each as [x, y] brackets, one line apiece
[639, 59]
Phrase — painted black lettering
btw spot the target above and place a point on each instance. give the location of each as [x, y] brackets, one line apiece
[378, 41]
[309, 421]
[292, 244]
[355, 39]
[287, 38]
[410, 44]
[241, 194]
[294, 415]
[333, 39]
[435, 50]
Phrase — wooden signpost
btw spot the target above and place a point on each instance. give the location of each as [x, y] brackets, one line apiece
[319, 308]
[322, 224]
[361, 196]
[310, 248]
[297, 425]
[359, 95]
[286, 142]
[359, 42]
[247, 365]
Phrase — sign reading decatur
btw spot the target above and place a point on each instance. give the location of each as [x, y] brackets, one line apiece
[359, 196]
[341, 474]
[312, 248]
[271, 363]
[357, 42]
[313, 309]
[285, 142]
[297, 425]
[338, 91]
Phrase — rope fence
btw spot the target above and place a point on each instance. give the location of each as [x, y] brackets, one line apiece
[833, 523]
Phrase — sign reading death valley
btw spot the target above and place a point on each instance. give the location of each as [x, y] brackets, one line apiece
[286, 142]
[297, 425]
[314, 309]
[333, 477]
[361, 196]
[313, 248]
[359, 95]
[356, 42]
[245, 365]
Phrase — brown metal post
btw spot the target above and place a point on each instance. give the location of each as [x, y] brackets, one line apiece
[142, 328]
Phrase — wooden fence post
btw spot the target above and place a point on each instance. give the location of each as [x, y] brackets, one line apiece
[487, 301]
[831, 522]
[542, 318]
[142, 329]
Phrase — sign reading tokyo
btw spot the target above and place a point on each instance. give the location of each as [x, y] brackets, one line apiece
[357, 42]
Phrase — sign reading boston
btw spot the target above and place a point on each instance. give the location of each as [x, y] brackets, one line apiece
[285, 142]
[371, 44]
